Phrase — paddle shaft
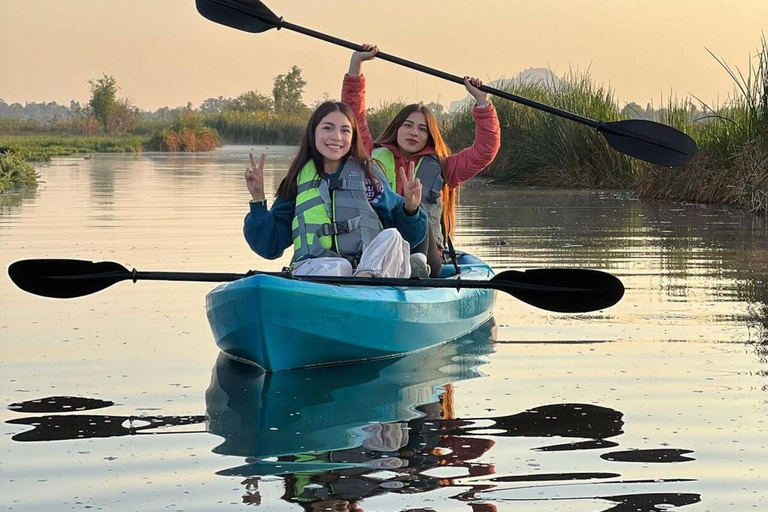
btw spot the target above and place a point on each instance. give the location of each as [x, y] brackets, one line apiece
[440, 74]
[214, 277]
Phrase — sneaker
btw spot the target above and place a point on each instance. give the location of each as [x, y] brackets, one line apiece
[419, 267]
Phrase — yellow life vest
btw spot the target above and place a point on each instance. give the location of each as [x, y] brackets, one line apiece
[333, 217]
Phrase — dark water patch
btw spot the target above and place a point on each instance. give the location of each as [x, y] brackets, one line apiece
[60, 404]
[84, 426]
[626, 502]
[597, 444]
[654, 502]
[549, 477]
[560, 420]
[661, 455]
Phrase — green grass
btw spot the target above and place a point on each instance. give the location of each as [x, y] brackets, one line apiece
[257, 127]
[15, 172]
[40, 148]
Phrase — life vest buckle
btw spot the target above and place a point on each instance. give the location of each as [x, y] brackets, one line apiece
[336, 228]
[334, 183]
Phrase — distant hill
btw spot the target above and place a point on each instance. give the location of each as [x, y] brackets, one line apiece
[531, 75]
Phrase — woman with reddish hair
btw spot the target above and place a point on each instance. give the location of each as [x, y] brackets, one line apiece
[412, 140]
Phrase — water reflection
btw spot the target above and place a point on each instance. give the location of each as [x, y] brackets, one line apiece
[339, 435]
[12, 199]
[61, 427]
[325, 409]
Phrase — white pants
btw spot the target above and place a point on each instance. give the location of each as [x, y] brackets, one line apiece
[386, 256]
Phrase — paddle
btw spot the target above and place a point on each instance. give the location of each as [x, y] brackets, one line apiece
[559, 290]
[647, 140]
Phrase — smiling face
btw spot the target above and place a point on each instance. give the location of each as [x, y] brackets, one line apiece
[413, 134]
[333, 139]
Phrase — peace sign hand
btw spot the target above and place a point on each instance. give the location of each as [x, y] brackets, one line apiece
[254, 178]
[411, 188]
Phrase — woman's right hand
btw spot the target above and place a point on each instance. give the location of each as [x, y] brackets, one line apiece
[368, 52]
[254, 178]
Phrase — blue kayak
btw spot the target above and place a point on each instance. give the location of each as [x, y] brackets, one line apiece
[279, 323]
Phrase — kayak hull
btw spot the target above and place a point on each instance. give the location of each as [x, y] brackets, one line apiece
[280, 324]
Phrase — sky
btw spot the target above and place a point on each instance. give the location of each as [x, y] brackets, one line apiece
[163, 53]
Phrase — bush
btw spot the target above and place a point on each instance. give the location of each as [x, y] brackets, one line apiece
[186, 133]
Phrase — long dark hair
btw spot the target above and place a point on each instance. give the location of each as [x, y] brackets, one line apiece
[308, 151]
[442, 151]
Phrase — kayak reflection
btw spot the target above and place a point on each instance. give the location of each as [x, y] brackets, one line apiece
[323, 409]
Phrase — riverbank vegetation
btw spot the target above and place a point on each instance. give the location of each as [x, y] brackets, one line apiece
[731, 166]
[538, 149]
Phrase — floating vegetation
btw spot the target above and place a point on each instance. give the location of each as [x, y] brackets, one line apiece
[16, 173]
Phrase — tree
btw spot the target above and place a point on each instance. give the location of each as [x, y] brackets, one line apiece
[216, 105]
[104, 103]
[288, 90]
[252, 101]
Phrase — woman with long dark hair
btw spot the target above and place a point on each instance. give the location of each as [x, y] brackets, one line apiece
[335, 207]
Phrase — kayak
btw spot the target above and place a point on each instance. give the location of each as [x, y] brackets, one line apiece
[278, 323]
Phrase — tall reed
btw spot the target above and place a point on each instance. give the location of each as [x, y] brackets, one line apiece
[731, 166]
[541, 149]
[258, 127]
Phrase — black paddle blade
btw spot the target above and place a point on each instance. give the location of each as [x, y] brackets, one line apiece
[650, 141]
[65, 279]
[562, 290]
[246, 15]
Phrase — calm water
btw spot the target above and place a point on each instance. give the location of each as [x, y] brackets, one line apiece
[119, 401]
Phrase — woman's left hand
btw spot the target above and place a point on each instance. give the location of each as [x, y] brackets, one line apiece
[411, 188]
[472, 84]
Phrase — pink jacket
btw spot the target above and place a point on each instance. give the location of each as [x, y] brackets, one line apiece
[459, 167]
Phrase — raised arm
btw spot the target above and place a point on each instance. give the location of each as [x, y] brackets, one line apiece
[353, 91]
[468, 162]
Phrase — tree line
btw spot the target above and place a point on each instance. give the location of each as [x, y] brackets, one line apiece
[113, 114]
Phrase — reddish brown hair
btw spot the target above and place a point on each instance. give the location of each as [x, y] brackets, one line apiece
[434, 139]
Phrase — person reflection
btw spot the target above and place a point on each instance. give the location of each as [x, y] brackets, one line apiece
[392, 458]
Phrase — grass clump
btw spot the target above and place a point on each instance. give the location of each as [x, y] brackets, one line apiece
[260, 127]
[15, 172]
[186, 133]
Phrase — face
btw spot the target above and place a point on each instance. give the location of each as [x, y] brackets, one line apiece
[413, 134]
[333, 139]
